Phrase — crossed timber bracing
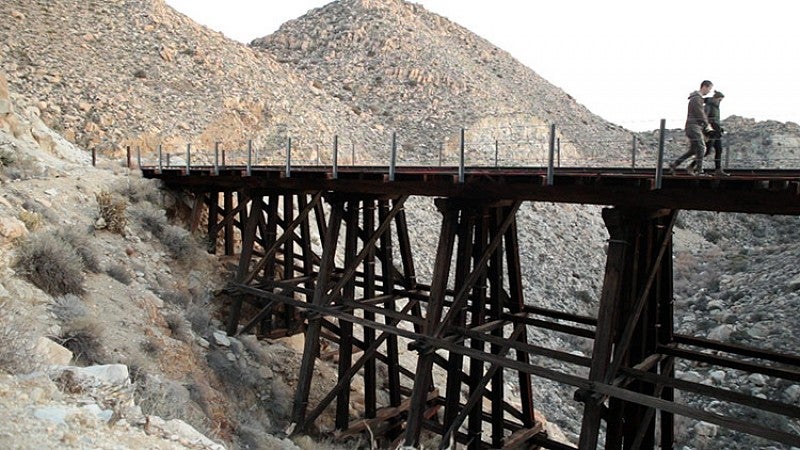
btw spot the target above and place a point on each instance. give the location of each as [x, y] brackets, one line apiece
[339, 268]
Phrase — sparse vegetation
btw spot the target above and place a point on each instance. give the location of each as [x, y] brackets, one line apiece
[120, 273]
[68, 307]
[139, 190]
[32, 220]
[112, 211]
[82, 336]
[199, 317]
[51, 264]
[16, 340]
[176, 297]
[79, 240]
[151, 218]
[151, 346]
[179, 242]
[179, 327]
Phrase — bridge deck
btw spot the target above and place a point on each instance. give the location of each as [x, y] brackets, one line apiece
[746, 191]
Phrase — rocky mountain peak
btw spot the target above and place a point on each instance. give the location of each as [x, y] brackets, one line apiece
[427, 78]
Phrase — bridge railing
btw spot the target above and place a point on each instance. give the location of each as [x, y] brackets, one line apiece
[528, 146]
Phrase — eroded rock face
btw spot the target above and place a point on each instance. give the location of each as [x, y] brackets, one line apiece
[426, 77]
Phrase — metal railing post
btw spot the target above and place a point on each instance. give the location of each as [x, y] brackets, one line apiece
[288, 171]
[558, 152]
[128, 156]
[335, 156]
[160, 160]
[216, 158]
[188, 158]
[551, 155]
[394, 157]
[660, 163]
[249, 157]
[461, 159]
[633, 151]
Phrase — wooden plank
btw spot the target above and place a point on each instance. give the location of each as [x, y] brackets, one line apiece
[382, 415]
[521, 437]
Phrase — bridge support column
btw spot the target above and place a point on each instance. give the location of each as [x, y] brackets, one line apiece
[268, 261]
[634, 318]
[479, 309]
[346, 304]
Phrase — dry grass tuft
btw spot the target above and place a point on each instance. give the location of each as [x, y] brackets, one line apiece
[51, 264]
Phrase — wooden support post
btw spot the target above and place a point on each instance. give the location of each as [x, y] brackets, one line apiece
[288, 255]
[422, 378]
[346, 335]
[248, 240]
[517, 305]
[370, 382]
[311, 346]
[387, 269]
[228, 233]
[455, 369]
[618, 246]
[213, 215]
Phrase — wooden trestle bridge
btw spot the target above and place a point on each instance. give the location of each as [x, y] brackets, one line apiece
[470, 322]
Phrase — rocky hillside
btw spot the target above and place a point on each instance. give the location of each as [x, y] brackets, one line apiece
[100, 75]
[426, 77]
[135, 72]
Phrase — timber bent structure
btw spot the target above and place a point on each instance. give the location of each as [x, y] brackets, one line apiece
[326, 251]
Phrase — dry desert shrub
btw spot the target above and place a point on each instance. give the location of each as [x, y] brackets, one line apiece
[51, 264]
[82, 336]
[179, 243]
[68, 307]
[17, 341]
[139, 190]
[179, 327]
[120, 273]
[112, 210]
[32, 220]
[150, 218]
[85, 247]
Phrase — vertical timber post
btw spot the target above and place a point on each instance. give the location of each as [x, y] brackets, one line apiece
[188, 158]
[216, 158]
[423, 377]
[335, 157]
[393, 161]
[551, 154]
[311, 346]
[461, 158]
[660, 162]
[618, 247]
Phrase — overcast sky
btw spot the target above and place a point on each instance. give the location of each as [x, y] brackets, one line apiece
[633, 62]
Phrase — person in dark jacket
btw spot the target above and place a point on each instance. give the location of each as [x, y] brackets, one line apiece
[696, 124]
[714, 138]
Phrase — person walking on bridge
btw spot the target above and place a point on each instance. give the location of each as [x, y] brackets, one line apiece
[715, 136]
[696, 124]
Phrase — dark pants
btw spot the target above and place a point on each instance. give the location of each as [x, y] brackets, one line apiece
[697, 147]
[715, 141]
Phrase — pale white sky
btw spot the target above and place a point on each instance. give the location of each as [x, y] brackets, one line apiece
[633, 62]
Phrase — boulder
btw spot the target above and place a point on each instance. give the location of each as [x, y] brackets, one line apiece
[51, 353]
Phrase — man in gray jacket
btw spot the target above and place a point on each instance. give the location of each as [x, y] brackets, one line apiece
[696, 123]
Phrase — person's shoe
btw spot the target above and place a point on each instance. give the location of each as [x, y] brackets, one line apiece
[721, 173]
[672, 168]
